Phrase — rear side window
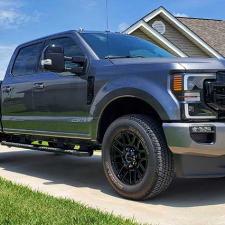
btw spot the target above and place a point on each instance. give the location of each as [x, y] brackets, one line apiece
[27, 60]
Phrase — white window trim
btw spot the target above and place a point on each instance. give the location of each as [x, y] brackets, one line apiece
[152, 33]
[186, 31]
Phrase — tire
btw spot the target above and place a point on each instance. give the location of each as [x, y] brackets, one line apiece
[136, 143]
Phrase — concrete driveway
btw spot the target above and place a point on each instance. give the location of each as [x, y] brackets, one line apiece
[187, 202]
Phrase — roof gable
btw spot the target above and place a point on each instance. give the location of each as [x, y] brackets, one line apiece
[172, 34]
[180, 26]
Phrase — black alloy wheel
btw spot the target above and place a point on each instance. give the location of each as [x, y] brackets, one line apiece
[129, 157]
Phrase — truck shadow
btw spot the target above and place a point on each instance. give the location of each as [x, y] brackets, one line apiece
[88, 172]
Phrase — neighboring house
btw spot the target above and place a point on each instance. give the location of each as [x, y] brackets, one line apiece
[182, 36]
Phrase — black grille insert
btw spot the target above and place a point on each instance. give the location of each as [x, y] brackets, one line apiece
[214, 92]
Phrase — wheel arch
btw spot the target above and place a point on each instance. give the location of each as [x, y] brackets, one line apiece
[124, 105]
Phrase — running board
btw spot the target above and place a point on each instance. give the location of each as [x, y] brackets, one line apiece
[48, 149]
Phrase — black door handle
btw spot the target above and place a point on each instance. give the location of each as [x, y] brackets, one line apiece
[7, 89]
[39, 85]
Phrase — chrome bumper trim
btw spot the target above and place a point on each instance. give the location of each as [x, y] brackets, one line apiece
[180, 142]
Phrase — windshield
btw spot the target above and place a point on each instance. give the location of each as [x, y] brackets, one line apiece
[112, 45]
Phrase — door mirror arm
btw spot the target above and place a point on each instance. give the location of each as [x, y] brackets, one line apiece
[81, 60]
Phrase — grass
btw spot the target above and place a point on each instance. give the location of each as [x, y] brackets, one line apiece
[21, 206]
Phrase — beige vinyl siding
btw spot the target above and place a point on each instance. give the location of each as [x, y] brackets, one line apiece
[139, 33]
[179, 40]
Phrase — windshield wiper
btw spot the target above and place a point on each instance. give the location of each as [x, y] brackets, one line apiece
[122, 56]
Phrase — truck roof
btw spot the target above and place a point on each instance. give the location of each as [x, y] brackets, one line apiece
[60, 33]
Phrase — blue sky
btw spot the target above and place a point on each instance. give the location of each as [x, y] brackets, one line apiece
[23, 20]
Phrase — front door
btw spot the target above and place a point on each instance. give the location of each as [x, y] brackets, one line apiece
[61, 98]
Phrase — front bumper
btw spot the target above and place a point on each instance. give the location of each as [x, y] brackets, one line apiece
[179, 139]
[192, 159]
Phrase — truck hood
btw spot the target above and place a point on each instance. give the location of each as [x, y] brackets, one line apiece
[189, 64]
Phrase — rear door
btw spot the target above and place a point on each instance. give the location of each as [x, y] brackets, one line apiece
[18, 112]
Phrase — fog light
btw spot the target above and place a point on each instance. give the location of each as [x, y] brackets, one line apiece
[203, 134]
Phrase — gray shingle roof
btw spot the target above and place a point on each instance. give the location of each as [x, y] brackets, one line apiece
[211, 31]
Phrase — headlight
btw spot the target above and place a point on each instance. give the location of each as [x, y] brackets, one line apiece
[189, 90]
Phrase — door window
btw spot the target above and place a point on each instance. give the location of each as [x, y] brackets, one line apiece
[70, 49]
[27, 60]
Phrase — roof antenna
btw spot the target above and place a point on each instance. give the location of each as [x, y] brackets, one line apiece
[107, 15]
[107, 27]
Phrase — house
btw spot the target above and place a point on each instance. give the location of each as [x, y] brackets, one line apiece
[182, 36]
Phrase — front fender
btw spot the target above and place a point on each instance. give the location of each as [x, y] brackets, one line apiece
[157, 96]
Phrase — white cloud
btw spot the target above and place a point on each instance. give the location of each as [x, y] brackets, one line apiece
[180, 15]
[123, 26]
[11, 15]
[6, 52]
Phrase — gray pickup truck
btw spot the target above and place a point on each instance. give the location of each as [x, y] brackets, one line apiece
[153, 115]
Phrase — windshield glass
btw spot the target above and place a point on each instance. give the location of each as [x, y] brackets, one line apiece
[112, 45]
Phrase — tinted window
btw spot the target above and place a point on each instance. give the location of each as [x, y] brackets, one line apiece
[69, 45]
[117, 45]
[27, 60]
[70, 49]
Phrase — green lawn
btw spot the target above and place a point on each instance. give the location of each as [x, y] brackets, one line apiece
[21, 206]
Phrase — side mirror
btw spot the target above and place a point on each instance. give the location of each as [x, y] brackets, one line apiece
[54, 59]
[80, 61]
